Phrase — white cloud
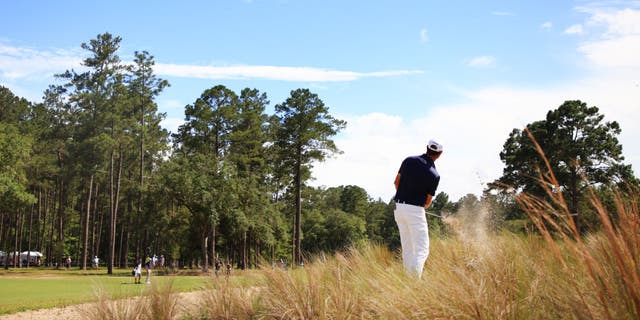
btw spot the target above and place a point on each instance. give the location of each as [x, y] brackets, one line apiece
[619, 45]
[617, 22]
[574, 29]
[618, 52]
[473, 132]
[481, 62]
[309, 74]
[19, 62]
[172, 124]
[424, 35]
[547, 25]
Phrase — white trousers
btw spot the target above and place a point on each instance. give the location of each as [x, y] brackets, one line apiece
[414, 237]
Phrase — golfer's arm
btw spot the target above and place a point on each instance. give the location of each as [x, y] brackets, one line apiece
[428, 203]
[397, 181]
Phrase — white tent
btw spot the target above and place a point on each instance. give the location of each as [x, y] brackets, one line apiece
[35, 258]
[31, 254]
[11, 255]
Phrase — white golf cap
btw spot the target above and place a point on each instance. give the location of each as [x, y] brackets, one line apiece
[434, 146]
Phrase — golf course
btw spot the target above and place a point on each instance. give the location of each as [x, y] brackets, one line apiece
[36, 288]
[329, 160]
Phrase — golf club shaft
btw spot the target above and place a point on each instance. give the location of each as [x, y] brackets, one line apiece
[433, 214]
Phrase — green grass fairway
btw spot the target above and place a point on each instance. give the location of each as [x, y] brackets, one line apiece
[36, 288]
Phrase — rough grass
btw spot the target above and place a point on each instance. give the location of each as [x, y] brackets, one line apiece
[471, 275]
[557, 274]
[159, 301]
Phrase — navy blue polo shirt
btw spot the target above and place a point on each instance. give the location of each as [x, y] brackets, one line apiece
[418, 177]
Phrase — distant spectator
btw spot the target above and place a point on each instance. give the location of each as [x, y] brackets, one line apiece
[218, 266]
[162, 261]
[67, 262]
[148, 264]
[137, 272]
[96, 263]
[174, 265]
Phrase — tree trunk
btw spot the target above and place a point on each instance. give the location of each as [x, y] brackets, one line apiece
[97, 223]
[127, 237]
[22, 221]
[145, 240]
[61, 206]
[85, 246]
[140, 191]
[115, 195]
[213, 245]
[139, 234]
[52, 229]
[29, 237]
[17, 261]
[80, 238]
[38, 224]
[205, 265]
[298, 181]
[120, 257]
[575, 199]
[112, 218]
[6, 242]
[4, 239]
[2, 224]
[244, 249]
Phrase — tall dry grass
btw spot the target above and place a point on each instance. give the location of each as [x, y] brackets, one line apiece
[556, 274]
[601, 271]
[226, 299]
[158, 302]
[470, 277]
[504, 278]
[474, 274]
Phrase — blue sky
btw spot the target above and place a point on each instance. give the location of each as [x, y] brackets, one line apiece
[399, 72]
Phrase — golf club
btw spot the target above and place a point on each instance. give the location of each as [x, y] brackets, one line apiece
[433, 214]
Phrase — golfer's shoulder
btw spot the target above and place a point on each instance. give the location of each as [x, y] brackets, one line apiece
[412, 159]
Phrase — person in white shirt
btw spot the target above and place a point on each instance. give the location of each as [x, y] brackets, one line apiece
[137, 272]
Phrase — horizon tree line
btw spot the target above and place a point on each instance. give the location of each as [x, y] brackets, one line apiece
[89, 171]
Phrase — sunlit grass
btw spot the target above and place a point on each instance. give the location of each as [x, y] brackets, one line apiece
[33, 288]
[158, 301]
[471, 275]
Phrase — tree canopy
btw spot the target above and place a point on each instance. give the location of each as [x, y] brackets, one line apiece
[582, 150]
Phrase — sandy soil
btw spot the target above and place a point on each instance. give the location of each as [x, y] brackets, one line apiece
[187, 302]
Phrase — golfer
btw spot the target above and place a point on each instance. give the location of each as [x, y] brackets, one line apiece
[416, 184]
